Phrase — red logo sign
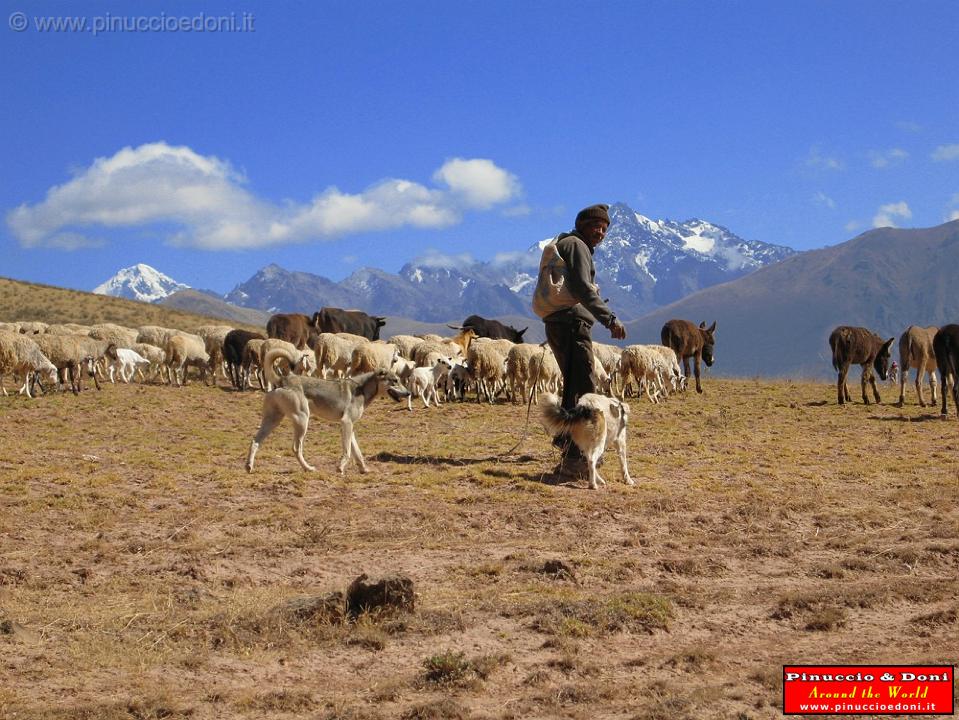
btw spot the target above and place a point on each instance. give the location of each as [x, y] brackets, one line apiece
[868, 689]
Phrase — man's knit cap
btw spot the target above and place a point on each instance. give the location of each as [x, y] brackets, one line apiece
[593, 212]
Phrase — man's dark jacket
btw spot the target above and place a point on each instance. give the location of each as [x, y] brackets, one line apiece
[578, 256]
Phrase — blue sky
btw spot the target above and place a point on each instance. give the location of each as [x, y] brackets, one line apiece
[336, 135]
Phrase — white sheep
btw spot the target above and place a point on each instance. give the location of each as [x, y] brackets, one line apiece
[602, 381]
[304, 365]
[405, 343]
[424, 381]
[371, 356]
[32, 328]
[122, 337]
[518, 369]
[155, 335]
[19, 354]
[608, 356]
[70, 353]
[427, 352]
[183, 350]
[487, 368]
[544, 373]
[648, 367]
[677, 381]
[334, 352]
[156, 357]
[68, 329]
[213, 337]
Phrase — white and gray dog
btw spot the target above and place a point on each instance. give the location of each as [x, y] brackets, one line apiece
[341, 401]
[596, 421]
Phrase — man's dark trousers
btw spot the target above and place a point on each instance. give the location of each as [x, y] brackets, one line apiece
[573, 347]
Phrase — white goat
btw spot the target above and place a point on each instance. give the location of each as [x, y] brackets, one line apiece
[423, 382]
[126, 363]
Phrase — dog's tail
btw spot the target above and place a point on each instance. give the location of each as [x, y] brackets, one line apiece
[558, 420]
[271, 357]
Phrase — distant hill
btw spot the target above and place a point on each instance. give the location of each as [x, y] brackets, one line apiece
[776, 321]
[45, 303]
[202, 303]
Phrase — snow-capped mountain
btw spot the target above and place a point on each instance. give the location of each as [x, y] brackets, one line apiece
[643, 264]
[140, 282]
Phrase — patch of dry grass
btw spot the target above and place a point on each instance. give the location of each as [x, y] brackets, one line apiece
[142, 568]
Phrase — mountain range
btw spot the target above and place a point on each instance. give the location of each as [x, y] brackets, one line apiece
[774, 308]
[777, 320]
[642, 265]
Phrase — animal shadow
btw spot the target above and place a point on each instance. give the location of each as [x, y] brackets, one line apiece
[925, 417]
[435, 460]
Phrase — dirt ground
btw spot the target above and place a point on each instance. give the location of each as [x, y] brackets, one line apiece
[143, 572]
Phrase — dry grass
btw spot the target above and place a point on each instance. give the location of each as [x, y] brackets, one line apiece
[141, 570]
[46, 303]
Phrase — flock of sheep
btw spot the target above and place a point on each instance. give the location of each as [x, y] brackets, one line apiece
[432, 367]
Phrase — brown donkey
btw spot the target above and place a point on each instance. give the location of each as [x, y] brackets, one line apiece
[915, 351]
[689, 341]
[862, 347]
[946, 345]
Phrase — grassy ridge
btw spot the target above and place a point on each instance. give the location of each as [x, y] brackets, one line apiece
[45, 303]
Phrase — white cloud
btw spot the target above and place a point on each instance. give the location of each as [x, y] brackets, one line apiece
[517, 211]
[944, 153]
[206, 199]
[909, 126]
[820, 198]
[885, 158]
[479, 182]
[437, 259]
[953, 212]
[884, 217]
[519, 260]
[816, 159]
[852, 226]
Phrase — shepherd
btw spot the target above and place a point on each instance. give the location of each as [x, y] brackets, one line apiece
[568, 300]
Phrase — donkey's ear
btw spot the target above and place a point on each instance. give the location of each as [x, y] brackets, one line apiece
[887, 346]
